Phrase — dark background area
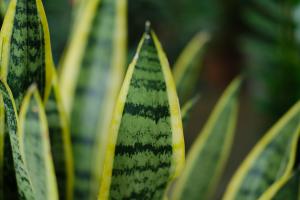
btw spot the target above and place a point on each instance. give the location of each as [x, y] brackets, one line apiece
[259, 39]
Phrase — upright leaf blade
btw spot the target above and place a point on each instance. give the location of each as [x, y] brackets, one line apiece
[60, 141]
[25, 188]
[145, 148]
[271, 159]
[33, 134]
[187, 109]
[2, 135]
[187, 68]
[209, 153]
[91, 76]
[25, 48]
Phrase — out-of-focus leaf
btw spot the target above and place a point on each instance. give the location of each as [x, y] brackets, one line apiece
[60, 141]
[35, 146]
[16, 170]
[187, 108]
[208, 155]
[2, 135]
[59, 15]
[187, 68]
[91, 75]
[25, 52]
[286, 188]
[271, 159]
[145, 147]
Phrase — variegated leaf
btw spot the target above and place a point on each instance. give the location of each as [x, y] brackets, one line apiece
[35, 145]
[91, 75]
[270, 160]
[145, 147]
[15, 170]
[209, 153]
[187, 68]
[25, 48]
[60, 141]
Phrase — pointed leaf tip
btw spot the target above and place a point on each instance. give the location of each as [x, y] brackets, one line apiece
[147, 27]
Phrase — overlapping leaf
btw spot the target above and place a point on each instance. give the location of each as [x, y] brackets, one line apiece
[209, 153]
[270, 160]
[286, 188]
[91, 75]
[2, 135]
[145, 148]
[35, 146]
[187, 108]
[25, 48]
[60, 142]
[16, 171]
[187, 67]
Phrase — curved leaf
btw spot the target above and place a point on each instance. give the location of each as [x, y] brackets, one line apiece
[187, 68]
[146, 147]
[25, 187]
[33, 134]
[91, 75]
[60, 141]
[209, 153]
[25, 48]
[285, 188]
[271, 159]
[187, 108]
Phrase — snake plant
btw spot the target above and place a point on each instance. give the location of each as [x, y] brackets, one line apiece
[90, 131]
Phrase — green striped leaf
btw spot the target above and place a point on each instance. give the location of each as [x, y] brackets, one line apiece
[25, 48]
[271, 159]
[145, 147]
[187, 109]
[60, 141]
[35, 144]
[91, 75]
[13, 149]
[286, 188]
[209, 153]
[187, 68]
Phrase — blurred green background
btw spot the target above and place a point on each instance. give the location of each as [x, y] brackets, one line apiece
[259, 38]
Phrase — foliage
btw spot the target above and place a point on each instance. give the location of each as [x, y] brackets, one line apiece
[85, 133]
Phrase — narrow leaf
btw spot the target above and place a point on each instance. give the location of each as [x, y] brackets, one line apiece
[286, 188]
[271, 159]
[187, 68]
[209, 153]
[145, 147]
[25, 48]
[91, 75]
[2, 135]
[60, 141]
[187, 109]
[33, 134]
[25, 188]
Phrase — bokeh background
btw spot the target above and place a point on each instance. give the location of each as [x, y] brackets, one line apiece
[258, 38]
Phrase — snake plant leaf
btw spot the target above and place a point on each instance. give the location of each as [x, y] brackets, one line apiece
[35, 145]
[187, 108]
[285, 188]
[24, 185]
[25, 48]
[209, 153]
[91, 76]
[2, 136]
[60, 141]
[271, 159]
[187, 68]
[145, 147]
